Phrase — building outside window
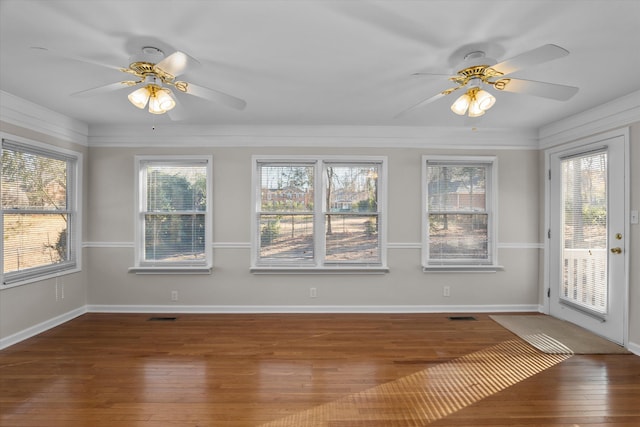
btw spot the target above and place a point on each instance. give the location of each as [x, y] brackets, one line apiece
[319, 213]
[40, 220]
[173, 219]
[459, 206]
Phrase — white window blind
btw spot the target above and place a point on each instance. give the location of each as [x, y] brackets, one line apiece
[584, 231]
[173, 212]
[38, 211]
[459, 212]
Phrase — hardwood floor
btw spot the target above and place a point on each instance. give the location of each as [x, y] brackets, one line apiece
[297, 370]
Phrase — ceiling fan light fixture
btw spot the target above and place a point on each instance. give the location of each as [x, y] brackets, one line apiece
[475, 110]
[140, 97]
[461, 104]
[476, 101]
[485, 100]
[161, 101]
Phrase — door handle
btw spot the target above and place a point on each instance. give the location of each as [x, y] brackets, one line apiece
[616, 250]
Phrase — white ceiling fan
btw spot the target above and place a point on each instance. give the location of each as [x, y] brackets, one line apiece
[154, 76]
[478, 73]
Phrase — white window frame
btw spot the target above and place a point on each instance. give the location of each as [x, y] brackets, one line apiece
[74, 203]
[319, 265]
[491, 194]
[141, 266]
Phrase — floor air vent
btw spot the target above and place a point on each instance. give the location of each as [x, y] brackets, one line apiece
[462, 318]
[162, 319]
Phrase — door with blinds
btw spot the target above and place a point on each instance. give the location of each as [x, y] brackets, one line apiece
[587, 236]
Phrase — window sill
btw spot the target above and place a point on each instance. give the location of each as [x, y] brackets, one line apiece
[53, 275]
[462, 268]
[319, 270]
[170, 270]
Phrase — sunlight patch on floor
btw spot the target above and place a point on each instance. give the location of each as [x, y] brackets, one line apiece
[433, 393]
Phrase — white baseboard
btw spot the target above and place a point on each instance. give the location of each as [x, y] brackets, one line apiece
[41, 327]
[634, 348]
[310, 308]
[256, 309]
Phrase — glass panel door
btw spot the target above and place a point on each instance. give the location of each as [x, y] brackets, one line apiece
[588, 255]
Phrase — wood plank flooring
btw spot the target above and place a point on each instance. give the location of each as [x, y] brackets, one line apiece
[297, 370]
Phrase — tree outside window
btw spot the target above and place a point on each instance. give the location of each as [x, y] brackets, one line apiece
[38, 210]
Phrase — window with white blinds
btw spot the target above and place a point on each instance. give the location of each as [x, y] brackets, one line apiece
[173, 218]
[584, 231]
[458, 211]
[39, 211]
[319, 213]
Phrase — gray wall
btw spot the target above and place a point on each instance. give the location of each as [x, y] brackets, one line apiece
[231, 284]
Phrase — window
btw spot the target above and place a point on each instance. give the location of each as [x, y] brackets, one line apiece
[40, 222]
[173, 224]
[319, 213]
[459, 208]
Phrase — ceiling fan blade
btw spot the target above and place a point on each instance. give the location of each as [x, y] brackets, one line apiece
[51, 52]
[384, 18]
[178, 113]
[429, 74]
[542, 89]
[428, 101]
[177, 63]
[212, 95]
[104, 89]
[536, 56]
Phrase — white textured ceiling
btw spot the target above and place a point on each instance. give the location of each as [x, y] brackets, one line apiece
[339, 63]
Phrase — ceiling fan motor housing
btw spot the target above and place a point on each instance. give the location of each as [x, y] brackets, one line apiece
[149, 54]
[476, 58]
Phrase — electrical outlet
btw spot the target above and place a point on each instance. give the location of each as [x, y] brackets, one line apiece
[446, 291]
[174, 295]
[313, 293]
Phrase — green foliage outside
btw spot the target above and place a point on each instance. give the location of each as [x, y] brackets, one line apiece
[371, 227]
[369, 205]
[286, 206]
[270, 232]
[168, 235]
[594, 215]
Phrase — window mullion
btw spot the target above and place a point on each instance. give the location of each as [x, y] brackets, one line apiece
[320, 198]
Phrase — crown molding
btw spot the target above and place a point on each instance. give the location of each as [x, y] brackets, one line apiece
[614, 114]
[20, 112]
[182, 135]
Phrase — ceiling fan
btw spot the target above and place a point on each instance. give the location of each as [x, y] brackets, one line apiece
[478, 72]
[154, 76]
